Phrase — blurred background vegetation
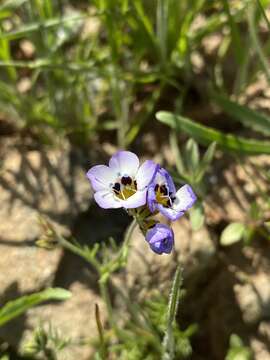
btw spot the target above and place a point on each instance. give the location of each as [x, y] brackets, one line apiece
[183, 82]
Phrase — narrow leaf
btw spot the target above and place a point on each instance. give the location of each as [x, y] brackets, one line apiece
[32, 27]
[206, 161]
[168, 341]
[246, 116]
[205, 135]
[192, 155]
[17, 307]
[232, 233]
[196, 216]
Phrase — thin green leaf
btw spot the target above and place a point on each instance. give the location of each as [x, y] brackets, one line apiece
[256, 42]
[232, 233]
[142, 117]
[192, 156]
[236, 39]
[177, 153]
[246, 116]
[146, 22]
[17, 307]
[205, 135]
[162, 27]
[46, 24]
[206, 161]
[237, 350]
[11, 4]
[264, 13]
[168, 341]
[196, 215]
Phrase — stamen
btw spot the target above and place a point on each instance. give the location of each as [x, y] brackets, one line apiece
[163, 196]
[163, 189]
[126, 180]
[123, 195]
[116, 188]
[169, 203]
[125, 187]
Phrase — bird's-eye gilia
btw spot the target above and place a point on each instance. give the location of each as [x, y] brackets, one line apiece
[124, 183]
[160, 238]
[163, 197]
[127, 184]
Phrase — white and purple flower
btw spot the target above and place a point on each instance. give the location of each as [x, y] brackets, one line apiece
[124, 183]
[163, 197]
[160, 239]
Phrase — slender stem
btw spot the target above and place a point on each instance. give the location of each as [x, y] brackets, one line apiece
[256, 42]
[162, 28]
[77, 251]
[168, 341]
[264, 14]
[103, 280]
[105, 296]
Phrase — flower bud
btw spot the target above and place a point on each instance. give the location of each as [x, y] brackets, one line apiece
[160, 238]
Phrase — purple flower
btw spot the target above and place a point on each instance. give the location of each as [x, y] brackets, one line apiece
[123, 183]
[163, 197]
[160, 239]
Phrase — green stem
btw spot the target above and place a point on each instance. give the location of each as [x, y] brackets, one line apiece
[77, 251]
[256, 43]
[264, 14]
[168, 344]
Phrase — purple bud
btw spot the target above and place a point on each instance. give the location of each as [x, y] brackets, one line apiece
[160, 238]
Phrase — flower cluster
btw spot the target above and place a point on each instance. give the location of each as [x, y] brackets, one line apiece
[144, 190]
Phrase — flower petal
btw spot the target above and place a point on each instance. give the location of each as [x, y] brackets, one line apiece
[146, 173]
[106, 200]
[151, 198]
[101, 177]
[124, 163]
[168, 180]
[170, 213]
[160, 238]
[136, 200]
[184, 198]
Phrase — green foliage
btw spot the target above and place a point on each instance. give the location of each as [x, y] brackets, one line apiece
[196, 215]
[82, 83]
[140, 335]
[46, 342]
[169, 341]
[137, 58]
[246, 116]
[17, 307]
[205, 135]
[192, 168]
[233, 233]
[237, 350]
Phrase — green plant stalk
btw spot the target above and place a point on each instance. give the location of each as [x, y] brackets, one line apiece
[234, 34]
[77, 251]
[103, 350]
[104, 273]
[264, 13]
[256, 42]
[205, 135]
[47, 24]
[48, 64]
[162, 28]
[168, 341]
